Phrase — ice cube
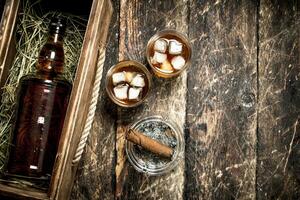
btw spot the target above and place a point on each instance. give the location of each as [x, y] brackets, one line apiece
[175, 47]
[160, 45]
[134, 93]
[138, 81]
[129, 76]
[159, 57]
[166, 67]
[154, 62]
[118, 77]
[121, 91]
[178, 62]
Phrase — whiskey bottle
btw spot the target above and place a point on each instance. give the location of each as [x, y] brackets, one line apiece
[41, 106]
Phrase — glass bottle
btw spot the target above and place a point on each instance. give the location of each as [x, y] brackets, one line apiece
[41, 106]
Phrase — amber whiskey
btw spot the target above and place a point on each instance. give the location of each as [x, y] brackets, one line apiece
[41, 106]
[128, 83]
[168, 53]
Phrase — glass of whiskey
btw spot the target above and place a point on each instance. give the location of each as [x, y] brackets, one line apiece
[128, 83]
[168, 53]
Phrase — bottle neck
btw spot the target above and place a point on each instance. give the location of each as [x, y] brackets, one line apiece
[55, 38]
[51, 57]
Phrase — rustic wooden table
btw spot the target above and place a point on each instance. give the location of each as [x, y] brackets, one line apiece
[239, 103]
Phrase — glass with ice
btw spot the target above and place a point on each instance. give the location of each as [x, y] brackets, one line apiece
[128, 83]
[168, 53]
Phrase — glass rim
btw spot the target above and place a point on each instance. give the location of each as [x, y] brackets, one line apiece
[176, 33]
[125, 63]
[179, 150]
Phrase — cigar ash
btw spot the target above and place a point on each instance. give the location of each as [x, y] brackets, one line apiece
[160, 132]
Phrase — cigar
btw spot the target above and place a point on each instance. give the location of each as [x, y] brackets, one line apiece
[149, 144]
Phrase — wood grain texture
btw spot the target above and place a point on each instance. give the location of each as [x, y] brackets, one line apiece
[96, 32]
[139, 20]
[279, 97]
[7, 39]
[221, 104]
[238, 103]
[95, 177]
[15, 193]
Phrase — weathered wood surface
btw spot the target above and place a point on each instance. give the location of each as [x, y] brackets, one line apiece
[221, 103]
[278, 164]
[64, 171]
[95, 176]
[238, 103]
[9, 12]
[139, 20]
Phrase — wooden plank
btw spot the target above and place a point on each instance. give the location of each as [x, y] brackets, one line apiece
[279, 97]
[221, 112]
[13, 192]
[139, 20]
[95, 178]
[7, 41]
[64, 172]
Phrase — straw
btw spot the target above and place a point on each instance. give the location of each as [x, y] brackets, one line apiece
[31, 34]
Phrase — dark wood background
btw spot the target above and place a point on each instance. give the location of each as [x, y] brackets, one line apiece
[238, 104]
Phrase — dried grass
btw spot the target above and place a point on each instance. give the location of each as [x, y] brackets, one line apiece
[31, 34]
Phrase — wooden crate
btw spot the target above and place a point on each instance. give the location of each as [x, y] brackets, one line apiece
[94, 42]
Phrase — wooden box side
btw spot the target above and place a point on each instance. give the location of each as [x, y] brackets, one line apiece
[18, 193]
[94, 42]
[7, 42]
[7, 54]
[95, 39]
